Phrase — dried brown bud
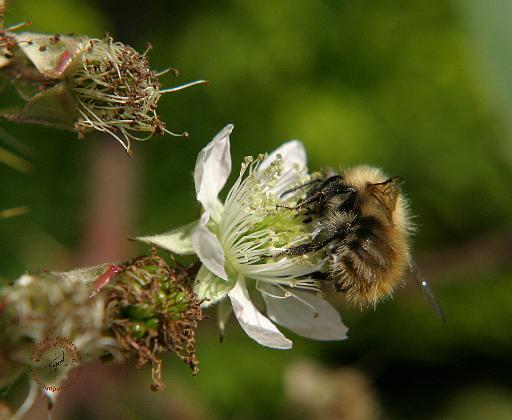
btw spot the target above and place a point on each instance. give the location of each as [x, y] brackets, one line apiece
[152, 310]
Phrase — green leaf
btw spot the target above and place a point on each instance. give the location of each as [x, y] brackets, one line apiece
[210, 288]
[177, 240]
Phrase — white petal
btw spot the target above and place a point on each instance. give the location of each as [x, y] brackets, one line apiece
[213, 166]
[257, 326]
[293, 152]
[294, 155]
[208, 248]
[177, 240]
[210, 288]
[300, 318]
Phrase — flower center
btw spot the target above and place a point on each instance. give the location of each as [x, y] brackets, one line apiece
[253, 229]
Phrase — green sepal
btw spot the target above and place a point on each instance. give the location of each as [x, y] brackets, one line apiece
[177, 240]
[209, 288]
[54, 107]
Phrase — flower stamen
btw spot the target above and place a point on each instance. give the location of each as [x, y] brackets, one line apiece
[185, 86]
[309, 305]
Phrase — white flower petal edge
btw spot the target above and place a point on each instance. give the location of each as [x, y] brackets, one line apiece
[257, 326]
[297, 313]
[293, 154]
[208, 248]
[213, 166]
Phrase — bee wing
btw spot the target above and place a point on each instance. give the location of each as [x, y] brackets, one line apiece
[386, 193]
[426, 290]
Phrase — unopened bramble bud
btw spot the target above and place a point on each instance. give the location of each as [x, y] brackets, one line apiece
[50, 304]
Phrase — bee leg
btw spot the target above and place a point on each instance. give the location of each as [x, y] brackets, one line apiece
[348, 204]
[340, 190]
[323, 238]
[341, 287]
[319, 275]
[302, 249]
[314, 195]
[320, 198]
[307, 184]
[303, 203]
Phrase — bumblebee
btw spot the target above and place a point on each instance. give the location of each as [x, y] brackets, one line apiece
[362, 219]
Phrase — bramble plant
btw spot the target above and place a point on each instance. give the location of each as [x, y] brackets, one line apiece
[140, 309]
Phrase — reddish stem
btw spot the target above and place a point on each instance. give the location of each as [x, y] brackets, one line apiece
[103, 279]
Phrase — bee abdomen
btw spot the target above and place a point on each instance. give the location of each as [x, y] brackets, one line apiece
[362, 265]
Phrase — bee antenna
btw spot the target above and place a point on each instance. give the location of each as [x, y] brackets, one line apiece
[313, 181]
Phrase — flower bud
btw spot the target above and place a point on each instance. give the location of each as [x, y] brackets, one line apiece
[151, 310]
[46, 305]
[83, 84]
[144, 309]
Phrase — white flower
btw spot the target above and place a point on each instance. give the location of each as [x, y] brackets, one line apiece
[239, 242]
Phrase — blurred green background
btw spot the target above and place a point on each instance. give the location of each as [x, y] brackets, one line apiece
[421, 89]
